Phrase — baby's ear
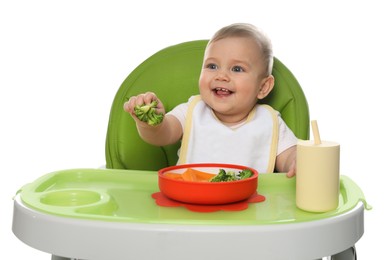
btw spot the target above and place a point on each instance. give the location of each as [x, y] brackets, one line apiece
[266, 87]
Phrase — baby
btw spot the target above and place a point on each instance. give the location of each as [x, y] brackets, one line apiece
[225, 123]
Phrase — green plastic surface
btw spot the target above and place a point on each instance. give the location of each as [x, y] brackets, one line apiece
[125, 196]
[173, 74]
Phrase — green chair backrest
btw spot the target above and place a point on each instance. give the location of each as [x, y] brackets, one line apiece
[173, 74]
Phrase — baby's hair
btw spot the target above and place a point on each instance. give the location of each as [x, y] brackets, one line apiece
[250, 31]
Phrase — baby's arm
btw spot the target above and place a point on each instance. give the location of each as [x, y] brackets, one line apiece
[285, 162]
[167, 132]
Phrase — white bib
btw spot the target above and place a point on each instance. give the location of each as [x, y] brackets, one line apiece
[207, 140]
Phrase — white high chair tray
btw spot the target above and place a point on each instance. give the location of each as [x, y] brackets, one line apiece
[124, 222]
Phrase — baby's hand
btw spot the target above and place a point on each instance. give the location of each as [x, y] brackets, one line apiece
[291, 170]
[140, 100]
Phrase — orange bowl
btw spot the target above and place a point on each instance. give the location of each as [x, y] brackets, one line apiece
[196, 192]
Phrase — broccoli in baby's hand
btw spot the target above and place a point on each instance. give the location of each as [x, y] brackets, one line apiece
[148, 114]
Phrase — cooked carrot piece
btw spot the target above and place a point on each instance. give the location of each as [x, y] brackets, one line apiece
[190, 175]
[172, 175]
[200, 176]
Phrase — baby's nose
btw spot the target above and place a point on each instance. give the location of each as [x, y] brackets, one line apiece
[222, 75]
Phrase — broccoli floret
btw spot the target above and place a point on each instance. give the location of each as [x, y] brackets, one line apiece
[223, 176]
[148, 114]
[244, 174]
[219, 177]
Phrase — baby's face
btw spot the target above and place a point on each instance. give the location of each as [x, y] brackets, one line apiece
[231, 77]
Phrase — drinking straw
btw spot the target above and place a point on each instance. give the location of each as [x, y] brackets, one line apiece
[316, 133]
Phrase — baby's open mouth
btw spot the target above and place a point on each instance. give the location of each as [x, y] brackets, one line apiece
[222, 91]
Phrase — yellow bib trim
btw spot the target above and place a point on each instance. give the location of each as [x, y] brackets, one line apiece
[275, 138]
[187, 129]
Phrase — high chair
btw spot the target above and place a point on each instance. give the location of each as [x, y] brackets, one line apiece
[101, 214]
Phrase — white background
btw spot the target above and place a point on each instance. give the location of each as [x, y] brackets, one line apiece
[61, 63]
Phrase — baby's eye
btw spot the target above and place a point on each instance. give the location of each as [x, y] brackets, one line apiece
[211, 66]
[238, 69]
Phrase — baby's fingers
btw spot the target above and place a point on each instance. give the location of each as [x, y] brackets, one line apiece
[129, 105]
[292, 170]
[148, 98]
